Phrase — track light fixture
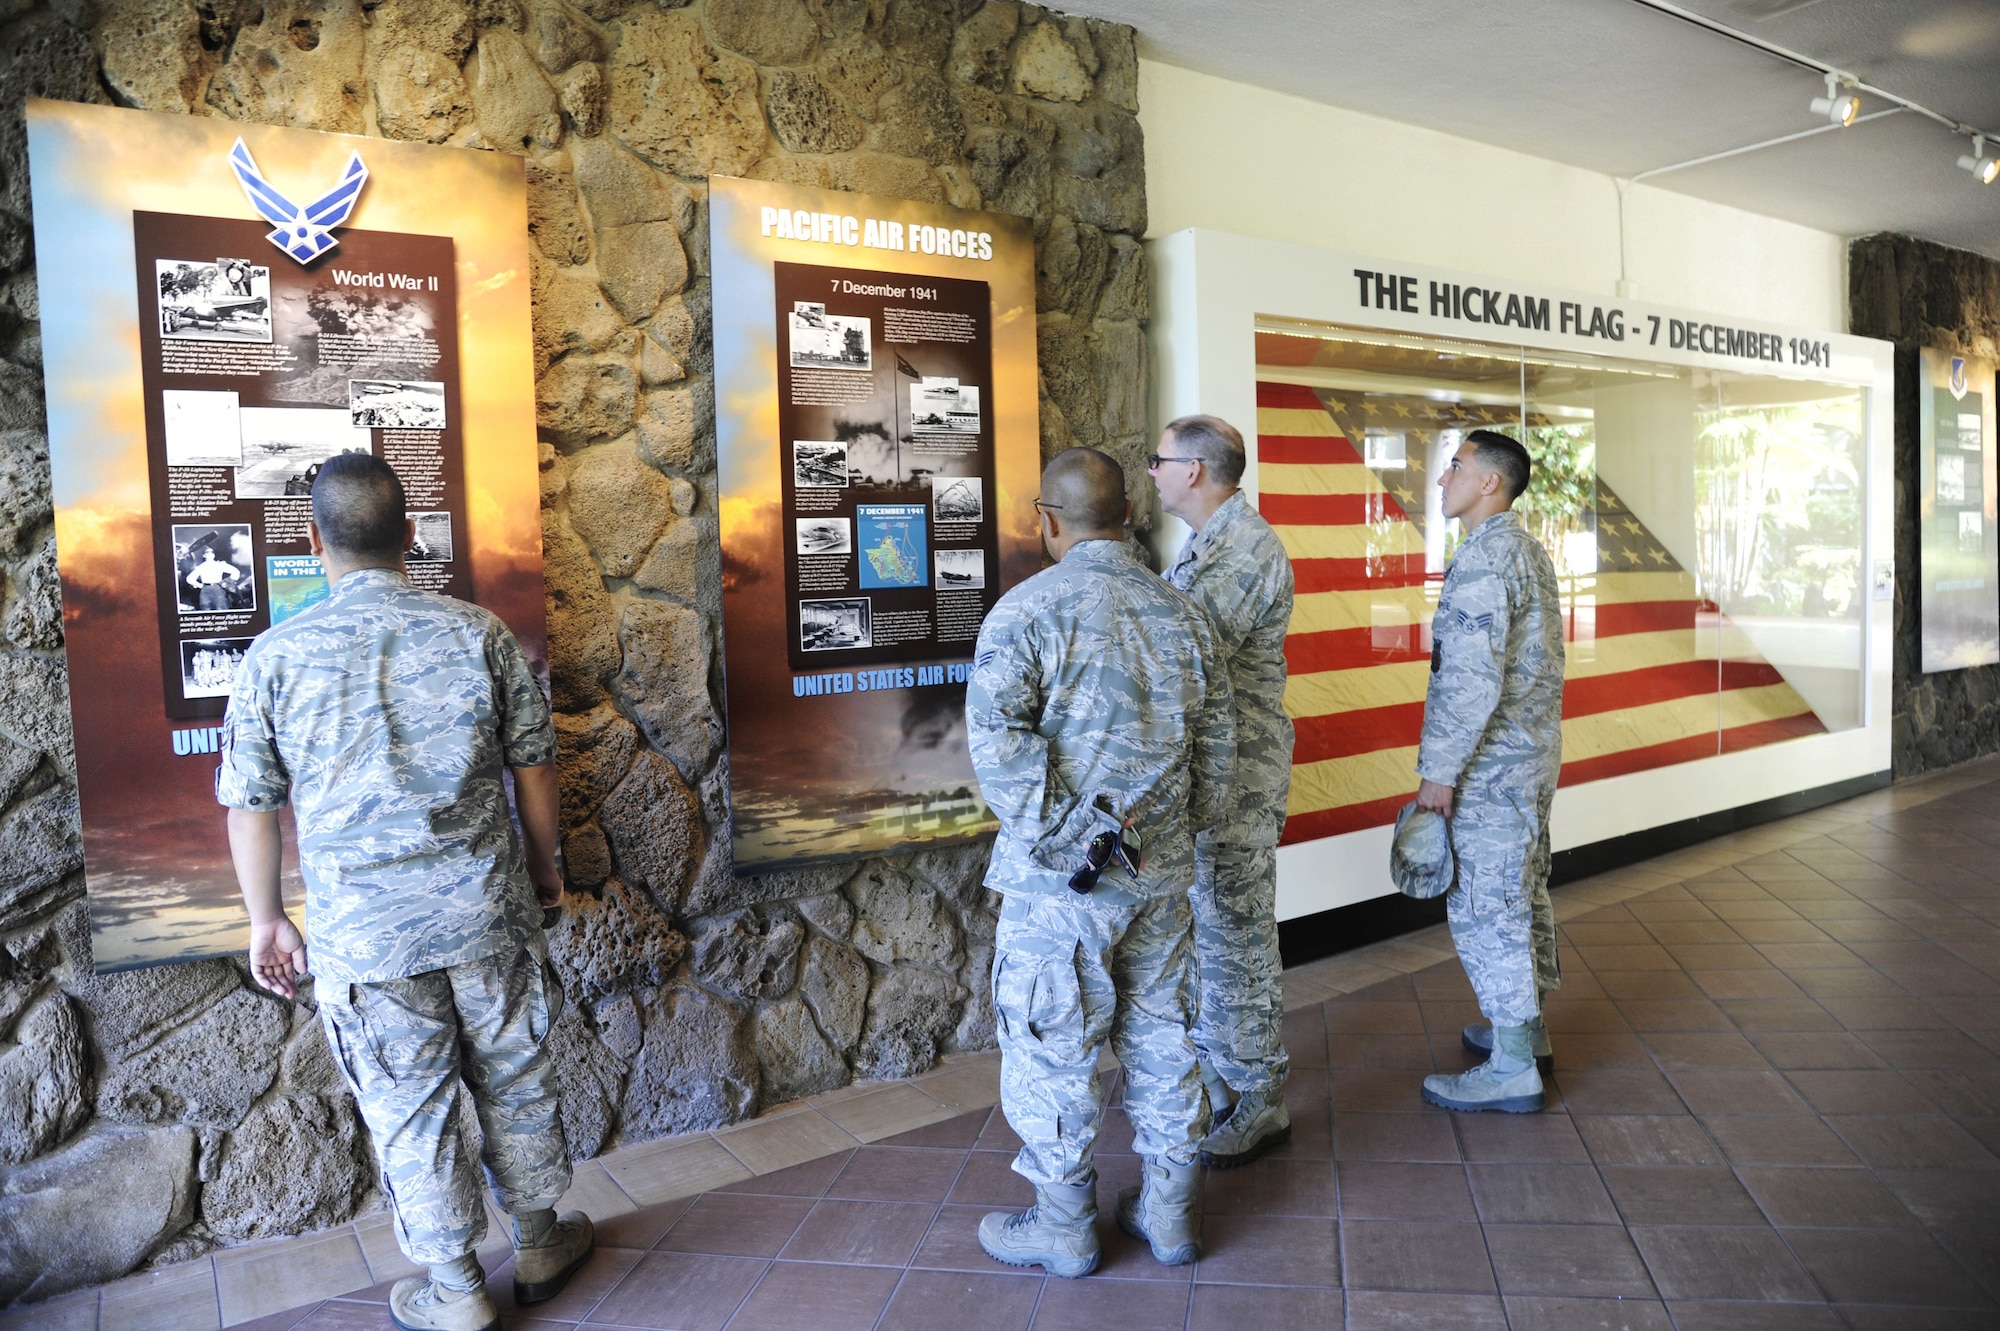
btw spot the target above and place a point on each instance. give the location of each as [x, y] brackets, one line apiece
[1835, 106]
[1984, 169]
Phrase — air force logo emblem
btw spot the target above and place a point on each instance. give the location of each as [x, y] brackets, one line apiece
[1958, 384]
[304, 233]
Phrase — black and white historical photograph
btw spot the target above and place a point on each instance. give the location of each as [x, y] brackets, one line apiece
[824, 536]
[283, 448]
[396, 404]
[203, 428]
[822, 341]
[946, 405]
[826, 626]
[958, 499]
[208, 665]
[432, 543]
[818, 465]
[959, 569]
[219, 300]
[212, 568]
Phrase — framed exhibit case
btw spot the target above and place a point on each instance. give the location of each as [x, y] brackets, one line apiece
[1711, 490]
[1958, 548]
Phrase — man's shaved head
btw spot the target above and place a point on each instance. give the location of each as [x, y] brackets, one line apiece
[1087, 488]
[357, 503]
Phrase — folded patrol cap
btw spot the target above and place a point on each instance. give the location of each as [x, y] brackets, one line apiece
[1420, 858]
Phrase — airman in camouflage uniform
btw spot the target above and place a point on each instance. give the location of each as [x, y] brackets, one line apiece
[384, 716]
[1490, 757]
[1233, 566]
[1098, 705]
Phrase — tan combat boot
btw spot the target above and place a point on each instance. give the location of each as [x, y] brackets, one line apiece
[1057, 1233]
[421, 1304]
[541, 1272]
[1163, 1209]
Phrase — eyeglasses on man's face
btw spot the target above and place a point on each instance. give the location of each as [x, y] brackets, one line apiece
[1041, 507]
[1153, 461]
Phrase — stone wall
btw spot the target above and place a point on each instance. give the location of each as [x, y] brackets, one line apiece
[148, 1115]
[1918, 294]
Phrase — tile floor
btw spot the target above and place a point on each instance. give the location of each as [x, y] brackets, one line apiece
[1777, 1105]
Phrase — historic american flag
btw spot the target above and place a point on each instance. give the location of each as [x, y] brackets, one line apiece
[1655, 675]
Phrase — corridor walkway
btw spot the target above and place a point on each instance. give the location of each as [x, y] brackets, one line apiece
[1776, 1106]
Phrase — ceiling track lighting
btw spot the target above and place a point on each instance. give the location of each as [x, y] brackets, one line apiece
[1838, 107]
[1984, 169]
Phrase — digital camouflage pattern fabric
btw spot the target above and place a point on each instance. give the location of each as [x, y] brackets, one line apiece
[1493, 730]
[1237, 571]
[404, 1046]
[1070, 972]
[385, 715]
[1098, 693]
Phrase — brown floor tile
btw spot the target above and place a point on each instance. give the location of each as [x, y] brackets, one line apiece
[1970, 1094]
[1766, 983]
[1349, 1015]
[643, 1228]
[1669, 904]
[1931, 1049]
[1238, 1307]
[1722, 1262]
[1752, 908]
[1304, 1036]
[988, 1179]
[1681, 1195]
[1581, 1016]
[341, 1315]
[1358, 1050]
[1736, 1092]
[1302, 1187]
[1703, 1050]
[1375, 1190]
[1686, 933]
[1726, 956]
[806, 1180]
[1449, 1016]
[1912, 1141]
[1777, 1139]
[1541, 1194]
[1533, 1312]
[1605, 1050]
[927, 1300]
[1100, 1304]
[1791, 929]
[1547, 1138]
[1863, 1317]
[957, 1133]
[1938, 981]
[1617, 1091]
[805, 1296]
[1778, 1014]
[1413, 1255]
[1442, 981]
[733, 1225]
[1755, 1317]
[1902, 948]
[1377, 1089]
[1825, 1198]
[898, 1174]
[1673, 1014]
[680, 1292]
[1605, 933]
[952, 1243]
[1845, 982]
[1647, 1139]
[998, 1135]
[863, 1233]
[1648, 984]
[1860, 1092]
[1885, 1266]
[1269, 1250]
[1644, 956]
[1814, 1050]
[1582, 1261]
[1417, 1137]
[1383, 1310]
[1794, 957]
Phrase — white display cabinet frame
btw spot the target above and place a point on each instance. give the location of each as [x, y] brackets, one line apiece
[1210, 288]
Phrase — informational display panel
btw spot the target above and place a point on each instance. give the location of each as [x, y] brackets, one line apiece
[1958, 546]
[878, 437]
[226, 307]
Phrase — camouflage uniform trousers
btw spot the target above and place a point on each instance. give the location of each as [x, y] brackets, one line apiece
[1070, 972]
[410, 1048]
[1501, 919]
[1240, 1027]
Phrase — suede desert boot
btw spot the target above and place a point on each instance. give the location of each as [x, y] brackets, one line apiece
[1478, 1038]
[1506, 1081]
[1259, 1122]
[1058, 1233]
[421, 1304]
[543, 1267]
[1164, 1209]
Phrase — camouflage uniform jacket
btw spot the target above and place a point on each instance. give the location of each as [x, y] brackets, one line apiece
[1236, 569]
[1493, 717]
[1098, 692]
[385, 714]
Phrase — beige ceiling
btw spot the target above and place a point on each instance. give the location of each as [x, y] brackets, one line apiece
[1620, 87]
